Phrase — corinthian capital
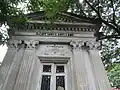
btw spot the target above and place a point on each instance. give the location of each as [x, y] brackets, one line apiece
[77, 44]
[31, 44]
[87, 45]
[22, 44]
[14, 43]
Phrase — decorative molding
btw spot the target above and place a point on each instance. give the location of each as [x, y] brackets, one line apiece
[62, 26]
[52, 49]
[88, 45]
[37, 26]
[14, 43]
[54, 59]
[31, 44]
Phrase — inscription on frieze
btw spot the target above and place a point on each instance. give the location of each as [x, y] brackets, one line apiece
[53, 50]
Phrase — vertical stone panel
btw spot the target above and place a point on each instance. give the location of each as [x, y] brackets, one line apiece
[6, 64]
[25, 69]
[80, 70]
[102, 82]
[34, 79]
[69, 75]
[90, 75]
[13, 72]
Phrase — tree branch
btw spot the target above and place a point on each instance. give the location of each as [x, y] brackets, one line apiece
[103, 21]
[114, 21]
[80, 7]
[109, 37]
[98, 6]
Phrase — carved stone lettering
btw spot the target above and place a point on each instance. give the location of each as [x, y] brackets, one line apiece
[53, 50]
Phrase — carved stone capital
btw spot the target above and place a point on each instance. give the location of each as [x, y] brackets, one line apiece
[77, 44]
[14, 43]
[87, 45]
[31, 44]
[94, 45]
[22, 44]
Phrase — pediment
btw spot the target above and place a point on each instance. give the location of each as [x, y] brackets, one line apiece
[66, 17]
[65, 25]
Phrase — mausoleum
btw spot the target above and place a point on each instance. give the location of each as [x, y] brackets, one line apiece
[59, 55]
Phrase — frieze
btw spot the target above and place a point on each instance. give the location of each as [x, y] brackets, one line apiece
[53, 50]
[87, 45]
[54, 34]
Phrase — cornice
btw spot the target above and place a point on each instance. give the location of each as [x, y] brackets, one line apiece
[59, 26]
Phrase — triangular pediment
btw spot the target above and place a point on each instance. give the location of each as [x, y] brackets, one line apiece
[63, 17]
[66, 24]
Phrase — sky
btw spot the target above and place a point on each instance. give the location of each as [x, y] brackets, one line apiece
[3, 50]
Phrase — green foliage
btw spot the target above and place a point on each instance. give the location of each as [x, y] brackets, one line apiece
[51, 7]
[114, 75]
[8, 8]
[110, 52]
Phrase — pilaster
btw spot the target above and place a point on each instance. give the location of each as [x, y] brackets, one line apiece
[82, 65]
[80, 74]
[26, 67]
[99, 72]
[9, 64]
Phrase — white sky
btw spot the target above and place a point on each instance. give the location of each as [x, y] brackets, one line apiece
[3, 50]
[80, 1]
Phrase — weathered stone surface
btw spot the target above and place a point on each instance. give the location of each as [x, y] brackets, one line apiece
[5, 67]
[22, 80]
[13, 71]
[99, 72]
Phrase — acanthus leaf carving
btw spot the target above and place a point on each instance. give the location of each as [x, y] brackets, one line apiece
[87, 45]
[22, 44]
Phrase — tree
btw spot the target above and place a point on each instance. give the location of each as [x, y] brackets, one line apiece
[108, 11]
[114, 76]
[8, 9]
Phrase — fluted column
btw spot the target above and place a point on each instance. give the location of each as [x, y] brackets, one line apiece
[26, 67]
[35, 76]
[100, 75]
[88, 68]
[80, 73]
[90, 75]
[10, 65]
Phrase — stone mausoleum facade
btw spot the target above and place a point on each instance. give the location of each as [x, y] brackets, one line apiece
[59, 55]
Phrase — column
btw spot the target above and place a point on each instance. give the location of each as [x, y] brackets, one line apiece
[102, 82]
[23, 79]
[35, 76]
[80, 73]
[88, 68]
[9, 66]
